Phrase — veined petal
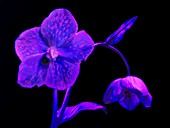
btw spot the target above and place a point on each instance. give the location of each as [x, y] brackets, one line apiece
[29, 43]
[62, 74]
[129, 101]
[58, 27]
[113, 93]
[32, 71]
[78, 48]
[134, 84]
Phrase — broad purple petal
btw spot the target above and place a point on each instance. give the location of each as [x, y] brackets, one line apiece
[146, 100]
[78, 48]
[71, 112]
[32, 71]
[62, 74]
[129, 101]
[119, 33]
[58, 27]
[134, 84]
[113, 93]
[29, 43]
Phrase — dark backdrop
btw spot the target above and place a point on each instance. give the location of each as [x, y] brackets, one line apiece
[32, 108]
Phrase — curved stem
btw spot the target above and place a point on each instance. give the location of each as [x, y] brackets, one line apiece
[54, 123]
[119, 53]
[65, 102]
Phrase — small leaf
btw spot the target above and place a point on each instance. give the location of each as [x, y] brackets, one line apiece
[72, 111]
[119, 33]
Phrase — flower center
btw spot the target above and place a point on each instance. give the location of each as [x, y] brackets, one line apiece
[52, 53]
[127, 94]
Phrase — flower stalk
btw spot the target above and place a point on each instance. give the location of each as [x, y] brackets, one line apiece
[65, 102]
[57, 119]
[119, 53]
[54, 123]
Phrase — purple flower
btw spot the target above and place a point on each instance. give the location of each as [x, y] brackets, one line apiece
[51, 54]
[128, 91]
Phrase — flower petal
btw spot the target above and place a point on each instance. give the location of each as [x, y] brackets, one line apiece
[72, 111]
[62, 74]
[79, 48]
[146, 100]
[29, 43]
[58, 27]
[134, 84]
[32, 71]
[129, 101]
[113, 92]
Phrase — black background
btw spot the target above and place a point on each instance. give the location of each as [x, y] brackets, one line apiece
[32, 108]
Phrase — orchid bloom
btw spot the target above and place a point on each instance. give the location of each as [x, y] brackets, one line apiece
[51, 54]
[129, 92]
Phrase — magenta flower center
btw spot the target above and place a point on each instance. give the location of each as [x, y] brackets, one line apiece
[52, 53]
